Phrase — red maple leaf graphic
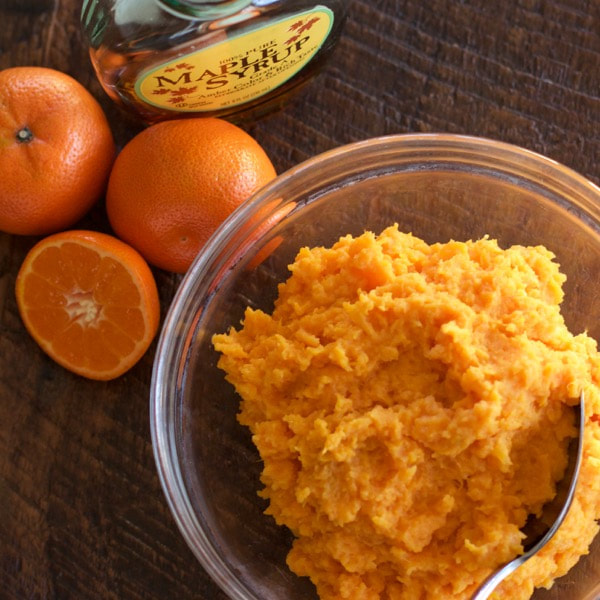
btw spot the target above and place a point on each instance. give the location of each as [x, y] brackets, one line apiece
[183, 90]
[170, 70]
[296, 25]
[161, 91]
[306, 26]
[185, 66]
[292, 40]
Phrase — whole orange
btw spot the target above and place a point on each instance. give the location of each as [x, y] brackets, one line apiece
[175, 182]
[56, 150]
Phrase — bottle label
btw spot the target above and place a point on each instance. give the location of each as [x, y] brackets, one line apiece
[238, 69]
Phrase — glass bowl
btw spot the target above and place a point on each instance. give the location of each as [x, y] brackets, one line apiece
[439, 187]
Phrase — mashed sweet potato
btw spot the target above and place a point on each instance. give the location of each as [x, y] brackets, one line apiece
[412, 404]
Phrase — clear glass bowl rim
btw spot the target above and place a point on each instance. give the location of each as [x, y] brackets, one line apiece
[170, 360]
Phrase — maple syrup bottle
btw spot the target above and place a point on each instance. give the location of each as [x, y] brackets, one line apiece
[236, 59]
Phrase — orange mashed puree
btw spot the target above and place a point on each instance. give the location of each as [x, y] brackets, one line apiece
[412, 405]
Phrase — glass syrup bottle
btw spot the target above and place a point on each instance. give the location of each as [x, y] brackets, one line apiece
[236, 59]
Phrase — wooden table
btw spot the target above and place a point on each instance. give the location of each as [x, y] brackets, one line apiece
[82, 513]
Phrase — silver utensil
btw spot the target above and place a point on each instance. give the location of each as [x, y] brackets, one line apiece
[536, 529]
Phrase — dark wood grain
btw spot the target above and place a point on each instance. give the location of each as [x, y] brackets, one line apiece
[82, 514]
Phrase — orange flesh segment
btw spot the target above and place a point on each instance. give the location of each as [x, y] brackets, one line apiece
[85, 306]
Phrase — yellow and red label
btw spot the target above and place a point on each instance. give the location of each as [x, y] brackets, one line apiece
[238, 69]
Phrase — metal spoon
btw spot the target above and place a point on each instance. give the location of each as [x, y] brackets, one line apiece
[536, 529]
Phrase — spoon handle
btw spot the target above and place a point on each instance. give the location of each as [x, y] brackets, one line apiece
[489, 584]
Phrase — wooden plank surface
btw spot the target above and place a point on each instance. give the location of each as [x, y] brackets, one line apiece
[82, 514]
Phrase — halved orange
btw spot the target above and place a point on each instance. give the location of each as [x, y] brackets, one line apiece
[90, 301]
